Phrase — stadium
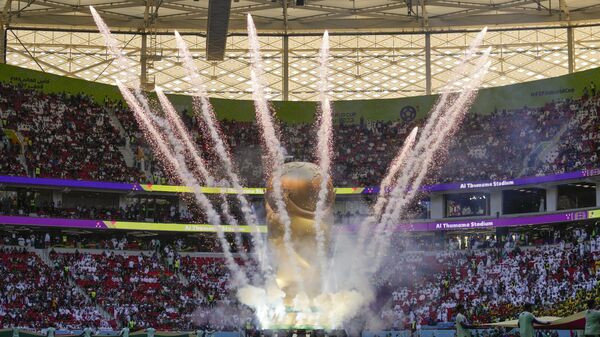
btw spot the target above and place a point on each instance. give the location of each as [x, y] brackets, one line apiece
[199, 168]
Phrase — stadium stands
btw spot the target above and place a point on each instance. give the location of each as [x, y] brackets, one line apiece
[13, 205]
[579, 144]
[132, 288]
[362, 151]
[35, 295]
[495, 284]
[134, 278]
[171, 290]
[9, 158]
[64, 136]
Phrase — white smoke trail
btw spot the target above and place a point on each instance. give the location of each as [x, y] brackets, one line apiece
[182, 173]
[455, 112]
[324, 154]
[122, 62]
[417, 168]
[183, 137]
[114, 48]
[397, 163]
[389, 180]
[203, 106]
[439, 110]
[275, 154]
[143, 115]
[458, 73]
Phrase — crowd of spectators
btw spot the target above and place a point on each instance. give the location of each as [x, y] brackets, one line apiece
[117, 241]
[64, 136]
[494, 146]
[10, 205]
[208, 275]
[578, 146]
[33, 295]
[9, 157]
[71, 136]
[164, 290]
[495, 283]
[137, 288]
[499, 144]
[168, 290]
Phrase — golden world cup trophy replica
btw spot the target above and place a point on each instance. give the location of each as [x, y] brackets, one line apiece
[300, 272]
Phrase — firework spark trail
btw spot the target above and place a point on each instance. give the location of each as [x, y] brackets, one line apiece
[445, 128]
[324, 153]
[388, 181]
[476, 43]
[418, 166]
[239, 242]
[175, 126]
[113, 47]
[397, 163]
[458, 73]
[182, 134]
[438, 113]
[175, 140]
[456, 116]
[145, 123]
[204, 109]
[121, 60]
[407, 189]
[447, 98]
[272, 144]
[401, 202]
[182, 173]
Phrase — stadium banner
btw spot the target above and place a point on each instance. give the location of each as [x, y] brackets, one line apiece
[536, 93]
[128, 225]
[497, 222]
[476, 223]
[513, 182]
[101, 185]
[205, 190]
[175, 227]
[51, 222]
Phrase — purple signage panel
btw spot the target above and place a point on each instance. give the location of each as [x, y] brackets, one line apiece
[513, 182]
[51, 222]
[69, 183]
[416, 227]
[480, 223]
[496, 222]
[501, 183]
[367, 190]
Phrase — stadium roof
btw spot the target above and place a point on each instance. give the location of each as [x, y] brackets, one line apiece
[301, 16]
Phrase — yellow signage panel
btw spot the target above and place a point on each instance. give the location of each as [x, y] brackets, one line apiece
[176, 227]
